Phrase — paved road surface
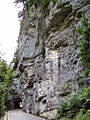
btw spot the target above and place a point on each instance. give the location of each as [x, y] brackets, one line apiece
[19, 115]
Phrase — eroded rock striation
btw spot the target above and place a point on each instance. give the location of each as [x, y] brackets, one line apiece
[47, 55]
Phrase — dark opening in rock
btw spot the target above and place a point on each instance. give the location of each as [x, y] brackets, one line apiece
[18, 103]
[44, 101]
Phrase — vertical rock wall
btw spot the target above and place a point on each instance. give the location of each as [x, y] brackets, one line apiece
[47, 53]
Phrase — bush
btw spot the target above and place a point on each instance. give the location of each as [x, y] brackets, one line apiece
[84, 45]
[80, 100]
[82, 116]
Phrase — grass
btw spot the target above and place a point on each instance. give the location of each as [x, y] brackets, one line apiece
[2, 118]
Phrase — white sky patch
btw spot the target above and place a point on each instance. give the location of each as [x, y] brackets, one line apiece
[9, 28]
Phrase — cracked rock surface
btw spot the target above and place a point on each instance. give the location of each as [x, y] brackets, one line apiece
[47, 53]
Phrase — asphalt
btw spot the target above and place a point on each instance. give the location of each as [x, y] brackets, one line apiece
[20, 115]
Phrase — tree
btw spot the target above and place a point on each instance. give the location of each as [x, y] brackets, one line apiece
[6, 78]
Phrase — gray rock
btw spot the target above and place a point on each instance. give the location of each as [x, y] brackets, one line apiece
[47, 53]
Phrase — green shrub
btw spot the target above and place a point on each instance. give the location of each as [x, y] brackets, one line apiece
[44, 3]
[84, 45]
[82, 116]
[80, 100]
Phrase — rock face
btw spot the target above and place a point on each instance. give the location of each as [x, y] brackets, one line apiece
[47, 54]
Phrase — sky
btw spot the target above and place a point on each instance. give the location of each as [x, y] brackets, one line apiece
[9, 28]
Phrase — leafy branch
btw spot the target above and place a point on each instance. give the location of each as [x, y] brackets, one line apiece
[84, 45]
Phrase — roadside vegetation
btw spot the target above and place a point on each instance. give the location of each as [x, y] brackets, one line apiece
[77, 106]
[2, 118]
[6, 78]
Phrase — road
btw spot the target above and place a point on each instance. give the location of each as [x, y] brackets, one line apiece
[20, 115]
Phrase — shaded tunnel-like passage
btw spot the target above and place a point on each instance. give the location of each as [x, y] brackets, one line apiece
[18, 103]
[14, 103]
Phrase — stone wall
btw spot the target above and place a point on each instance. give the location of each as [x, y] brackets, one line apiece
[47, 53]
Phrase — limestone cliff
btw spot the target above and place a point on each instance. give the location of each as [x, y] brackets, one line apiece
[47, 54]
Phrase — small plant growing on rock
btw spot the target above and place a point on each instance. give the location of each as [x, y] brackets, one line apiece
[66, 89]
[84, 45]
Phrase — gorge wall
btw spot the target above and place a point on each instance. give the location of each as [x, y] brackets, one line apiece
[47, 55]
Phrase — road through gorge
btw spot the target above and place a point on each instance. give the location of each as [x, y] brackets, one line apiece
[20, 115]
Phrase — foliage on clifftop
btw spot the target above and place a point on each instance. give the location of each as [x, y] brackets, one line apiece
[28, 3]
[6, 78]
